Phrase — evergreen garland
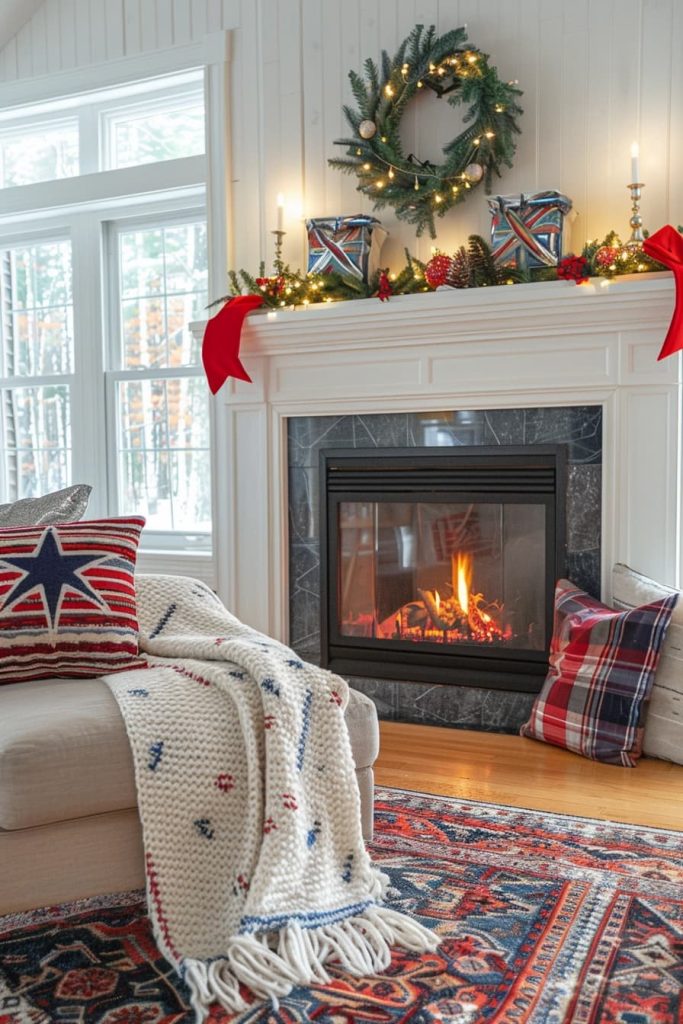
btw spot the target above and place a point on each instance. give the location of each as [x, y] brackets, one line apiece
[419, 191]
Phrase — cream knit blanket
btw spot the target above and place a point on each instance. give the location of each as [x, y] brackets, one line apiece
[256, 869]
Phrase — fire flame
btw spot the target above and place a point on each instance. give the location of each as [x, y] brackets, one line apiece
[461, 616]
[461, 571]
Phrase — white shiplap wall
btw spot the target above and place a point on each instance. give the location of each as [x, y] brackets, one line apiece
[596, 74]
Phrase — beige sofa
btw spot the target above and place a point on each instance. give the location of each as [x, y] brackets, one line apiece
[69, 824]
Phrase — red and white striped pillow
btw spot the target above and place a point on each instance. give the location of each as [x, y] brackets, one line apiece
[67, 599]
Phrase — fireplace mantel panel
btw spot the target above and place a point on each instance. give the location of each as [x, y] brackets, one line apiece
[547, 344]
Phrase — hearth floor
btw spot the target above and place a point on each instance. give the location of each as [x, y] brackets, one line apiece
[519, 772]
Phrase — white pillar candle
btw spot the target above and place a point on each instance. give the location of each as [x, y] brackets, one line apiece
[635, 163]
[280, 211]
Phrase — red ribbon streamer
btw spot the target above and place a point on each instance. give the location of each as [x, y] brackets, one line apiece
[666, 246]
[221, 343]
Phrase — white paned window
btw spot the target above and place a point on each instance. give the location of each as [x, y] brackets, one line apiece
[103, 266]
[159, 393]
[37, 367]
[38, 152]
[162, 129]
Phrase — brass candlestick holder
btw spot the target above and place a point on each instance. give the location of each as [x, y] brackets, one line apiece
[278, 265]
[637, 237]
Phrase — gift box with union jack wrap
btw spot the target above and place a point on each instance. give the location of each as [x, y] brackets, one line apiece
[348, 245]
[528, 229]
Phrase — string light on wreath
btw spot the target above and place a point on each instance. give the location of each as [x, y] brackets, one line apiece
[448, 66]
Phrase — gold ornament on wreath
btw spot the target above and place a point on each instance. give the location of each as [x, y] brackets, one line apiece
[448, 66]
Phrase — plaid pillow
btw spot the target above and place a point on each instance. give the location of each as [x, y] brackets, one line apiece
[602, 666]
[67, 599]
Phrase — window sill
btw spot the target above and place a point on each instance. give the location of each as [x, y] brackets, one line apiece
[179, 563]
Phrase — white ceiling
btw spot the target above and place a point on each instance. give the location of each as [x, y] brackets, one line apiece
[13, 16]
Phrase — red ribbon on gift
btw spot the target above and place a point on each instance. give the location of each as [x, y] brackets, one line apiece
[666, 246]
[221, 343]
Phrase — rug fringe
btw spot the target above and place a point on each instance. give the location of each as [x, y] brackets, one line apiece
[362, 944]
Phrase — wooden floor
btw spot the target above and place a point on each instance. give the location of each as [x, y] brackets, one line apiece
[524, 773]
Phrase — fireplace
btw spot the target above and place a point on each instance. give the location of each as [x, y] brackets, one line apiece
[439, 564]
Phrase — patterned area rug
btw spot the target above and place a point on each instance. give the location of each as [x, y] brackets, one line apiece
[545, 918]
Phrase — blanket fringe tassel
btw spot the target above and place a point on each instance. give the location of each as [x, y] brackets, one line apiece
[361, 944]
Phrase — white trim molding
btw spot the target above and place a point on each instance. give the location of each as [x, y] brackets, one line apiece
[551, 344]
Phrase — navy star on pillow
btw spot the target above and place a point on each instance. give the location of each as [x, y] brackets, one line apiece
[51, 571]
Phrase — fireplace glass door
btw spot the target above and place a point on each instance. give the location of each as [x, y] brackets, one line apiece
[439, 565]
[452, 573]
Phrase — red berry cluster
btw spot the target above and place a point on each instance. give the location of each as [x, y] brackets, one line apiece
[271, 285]
[573, 268]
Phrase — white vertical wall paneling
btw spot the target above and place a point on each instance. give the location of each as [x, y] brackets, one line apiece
[575, 33]
[313, 81]
[164, 23]
[231, 13]
[10, 52]
[674, 170]
[333, 83]
[248, 132]
[67, 31]
[599, 141]
[595, 75]
[199, 19]
[25, 52]
[39, 41]
[655, 99]
[149, 37]
[289, 174]
[98, 30]
[351, 57]
[132, 27]
[552, 117]
[113, 27]
[625, 83]
[214, 15]
[182, 21]
[271, 113]
[82, 32]
[52, 27]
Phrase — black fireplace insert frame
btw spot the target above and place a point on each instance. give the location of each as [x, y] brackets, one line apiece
[532, 474]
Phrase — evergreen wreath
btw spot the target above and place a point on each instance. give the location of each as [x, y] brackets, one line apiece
[419, 190]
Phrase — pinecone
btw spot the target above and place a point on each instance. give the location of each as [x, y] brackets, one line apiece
[460, 271]
[484, 270]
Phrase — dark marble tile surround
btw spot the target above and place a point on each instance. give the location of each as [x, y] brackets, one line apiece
[579, 427]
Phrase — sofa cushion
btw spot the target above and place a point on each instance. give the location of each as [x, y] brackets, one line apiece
[64, 751]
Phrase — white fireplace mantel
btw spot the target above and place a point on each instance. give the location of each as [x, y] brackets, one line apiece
[529, 345]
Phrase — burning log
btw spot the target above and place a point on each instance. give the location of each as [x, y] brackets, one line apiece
[430, 605]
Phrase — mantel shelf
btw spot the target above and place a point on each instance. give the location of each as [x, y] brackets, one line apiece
[514, 311]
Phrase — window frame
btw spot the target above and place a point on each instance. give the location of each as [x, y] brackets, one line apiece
[25, 207]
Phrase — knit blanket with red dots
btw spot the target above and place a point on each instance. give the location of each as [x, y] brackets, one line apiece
[257, 874]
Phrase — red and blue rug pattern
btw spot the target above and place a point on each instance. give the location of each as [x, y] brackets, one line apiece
[545, 919]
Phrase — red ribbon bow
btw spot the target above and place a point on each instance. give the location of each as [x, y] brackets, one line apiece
[666, 246]
[221, 343]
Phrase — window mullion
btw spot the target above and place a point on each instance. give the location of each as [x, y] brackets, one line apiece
[88, 140]
[88, 398]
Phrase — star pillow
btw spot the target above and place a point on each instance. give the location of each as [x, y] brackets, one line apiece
[67, 599]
